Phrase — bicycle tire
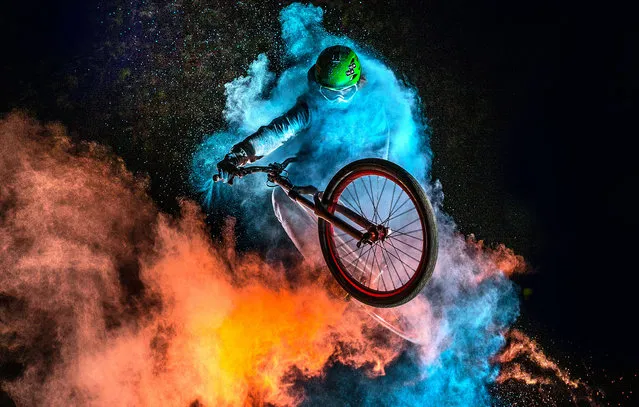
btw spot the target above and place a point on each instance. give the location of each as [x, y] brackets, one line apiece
[411, 187]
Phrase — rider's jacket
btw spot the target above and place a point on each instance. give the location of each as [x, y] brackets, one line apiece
[324, 136]
[270, 137]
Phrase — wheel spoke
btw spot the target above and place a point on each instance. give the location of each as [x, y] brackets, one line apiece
[344, 242]
[357, 259]
[353, 251]
[396, 209]
[394, 204]
[405, 226]
[408, 255]
[370, 280]
[343, 199]
[393, 233]
[394, 268]
[375, 214]
[384, 283]
[390, 208]
[361, 211]
[379, 197]
[381, 274]
[409, 245]
[358, 201]
[366, 262]
[389, 269]
[400, 260]
[403, 213]
[370, 196]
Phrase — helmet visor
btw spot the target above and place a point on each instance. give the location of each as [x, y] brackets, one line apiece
[340, 95]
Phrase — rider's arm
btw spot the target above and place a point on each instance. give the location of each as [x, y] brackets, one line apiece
[268, 138]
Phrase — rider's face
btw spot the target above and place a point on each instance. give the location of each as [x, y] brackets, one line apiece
[339, 96]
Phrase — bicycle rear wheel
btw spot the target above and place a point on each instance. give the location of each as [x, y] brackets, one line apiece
[393, 270]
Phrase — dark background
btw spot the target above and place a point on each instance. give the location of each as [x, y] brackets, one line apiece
[530, 109]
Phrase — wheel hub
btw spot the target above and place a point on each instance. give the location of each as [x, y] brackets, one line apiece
[378, 232]
[374, 234]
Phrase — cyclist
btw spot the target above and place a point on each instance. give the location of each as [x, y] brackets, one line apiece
[334, 81]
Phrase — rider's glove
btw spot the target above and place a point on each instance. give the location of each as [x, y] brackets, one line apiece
[228, 167]
[240, 155]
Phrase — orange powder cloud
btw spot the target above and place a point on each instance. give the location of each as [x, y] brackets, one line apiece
[496, 259]
[522, 360]
[106, 301]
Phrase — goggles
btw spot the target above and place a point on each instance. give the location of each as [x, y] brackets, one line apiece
[340, 95]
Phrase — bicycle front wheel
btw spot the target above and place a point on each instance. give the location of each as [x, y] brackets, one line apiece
[392, 270]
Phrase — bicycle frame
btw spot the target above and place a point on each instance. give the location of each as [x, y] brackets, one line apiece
[297, 194]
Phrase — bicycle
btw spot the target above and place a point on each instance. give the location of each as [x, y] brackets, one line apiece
[374, 246]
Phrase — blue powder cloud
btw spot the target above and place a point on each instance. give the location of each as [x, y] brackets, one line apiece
[467, 315]
[385, 113]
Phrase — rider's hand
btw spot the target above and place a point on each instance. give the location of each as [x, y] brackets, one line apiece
[228, 167]
[240, 155]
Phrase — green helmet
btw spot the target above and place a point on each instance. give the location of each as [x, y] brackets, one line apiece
[337, 68]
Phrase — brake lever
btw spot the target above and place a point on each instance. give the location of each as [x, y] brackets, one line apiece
[281, 167]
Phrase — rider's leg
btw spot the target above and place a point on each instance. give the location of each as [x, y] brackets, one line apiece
[300, 224]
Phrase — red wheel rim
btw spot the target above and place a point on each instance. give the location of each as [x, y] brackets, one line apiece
[399, 252]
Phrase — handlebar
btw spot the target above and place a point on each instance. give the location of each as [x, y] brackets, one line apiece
[289, 160]
[272, 169]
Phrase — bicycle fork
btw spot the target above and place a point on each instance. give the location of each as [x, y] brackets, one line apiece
[373, 232]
